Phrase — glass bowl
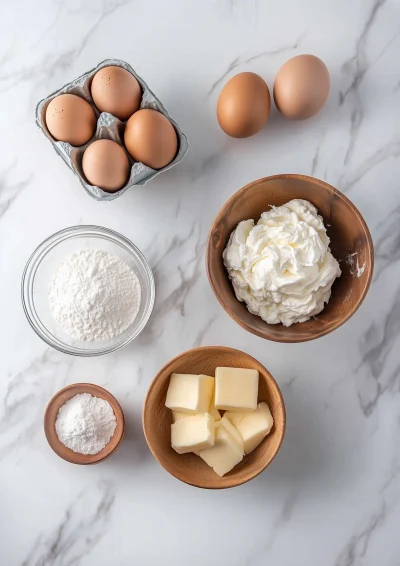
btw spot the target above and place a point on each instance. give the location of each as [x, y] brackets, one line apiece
[39, 271]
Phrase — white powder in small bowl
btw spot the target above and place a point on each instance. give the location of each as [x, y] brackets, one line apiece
[85, 424]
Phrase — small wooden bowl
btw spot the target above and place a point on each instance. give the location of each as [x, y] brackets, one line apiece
[51, 414]
[157, 419]
[351, 242]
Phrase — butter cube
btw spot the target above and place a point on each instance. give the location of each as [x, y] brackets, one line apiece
[216, 415]
[227, 450]
[193, 434]
[189, 393]
[179, 415]
[252, 426]
[236, 389]
[226, 423]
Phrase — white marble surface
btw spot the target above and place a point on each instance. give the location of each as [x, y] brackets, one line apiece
[332, 495]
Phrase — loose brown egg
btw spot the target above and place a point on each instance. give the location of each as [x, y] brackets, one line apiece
[301, 87]
[243, 105]
[106, 165]
[151, 138]
[116, 90]
[69, 118]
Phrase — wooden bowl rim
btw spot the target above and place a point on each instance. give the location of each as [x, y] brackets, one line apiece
[281, 432]
[66, 453]
[369, 247]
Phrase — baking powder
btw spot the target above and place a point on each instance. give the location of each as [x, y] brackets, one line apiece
[85, 424]
[94, 295]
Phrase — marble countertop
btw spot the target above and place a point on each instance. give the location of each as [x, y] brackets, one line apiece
[332, 495]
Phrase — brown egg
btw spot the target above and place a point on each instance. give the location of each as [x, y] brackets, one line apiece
[69, 118]
[151, 138]
[116, 91]
[243, 105]
[301, 87]
[106, 165]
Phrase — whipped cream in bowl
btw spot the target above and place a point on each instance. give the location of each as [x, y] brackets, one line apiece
[280, 248]
[282, 267]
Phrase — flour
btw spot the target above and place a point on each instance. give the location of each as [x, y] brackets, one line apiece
[94, 295]
[85, 424]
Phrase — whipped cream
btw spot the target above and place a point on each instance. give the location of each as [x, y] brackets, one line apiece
[282, 267]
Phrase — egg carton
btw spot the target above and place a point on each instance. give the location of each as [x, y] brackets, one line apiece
[108, 127]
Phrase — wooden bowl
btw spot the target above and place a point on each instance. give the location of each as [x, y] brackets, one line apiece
[157, 419]
[351, 242]
[51, 414]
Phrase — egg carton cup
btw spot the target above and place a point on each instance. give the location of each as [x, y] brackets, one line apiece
[108, 127]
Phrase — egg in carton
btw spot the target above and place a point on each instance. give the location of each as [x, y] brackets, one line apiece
[108, 127]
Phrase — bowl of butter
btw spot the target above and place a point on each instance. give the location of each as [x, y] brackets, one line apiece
[214, 417]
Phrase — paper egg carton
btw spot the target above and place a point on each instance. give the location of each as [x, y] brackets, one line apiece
[108, 127]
